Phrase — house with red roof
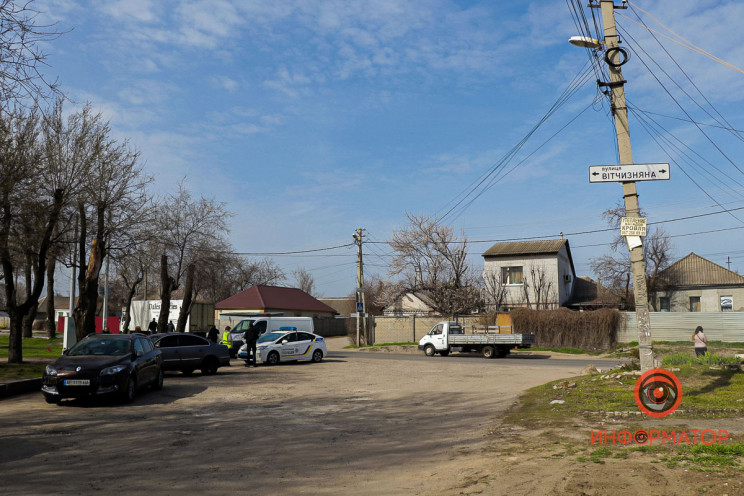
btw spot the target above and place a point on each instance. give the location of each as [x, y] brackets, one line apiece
[273, 300]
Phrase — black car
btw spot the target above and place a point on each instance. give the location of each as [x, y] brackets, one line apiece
[185, 352]
[103, 364]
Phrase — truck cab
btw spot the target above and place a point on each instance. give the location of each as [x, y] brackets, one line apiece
[436, 340]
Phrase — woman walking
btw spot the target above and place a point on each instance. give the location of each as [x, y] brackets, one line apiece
[700, 341]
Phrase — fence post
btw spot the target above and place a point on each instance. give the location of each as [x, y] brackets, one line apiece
[413, 317]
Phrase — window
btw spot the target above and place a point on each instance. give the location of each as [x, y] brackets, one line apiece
[694, 303]
[192, 341]
[727, 303]
[511, 275]
[664, 304]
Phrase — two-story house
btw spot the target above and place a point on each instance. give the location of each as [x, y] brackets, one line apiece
[531, 274]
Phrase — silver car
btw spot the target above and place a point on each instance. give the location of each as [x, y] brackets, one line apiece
[187, 352]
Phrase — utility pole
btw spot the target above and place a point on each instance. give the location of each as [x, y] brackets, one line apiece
[360, 307]
[613, 56]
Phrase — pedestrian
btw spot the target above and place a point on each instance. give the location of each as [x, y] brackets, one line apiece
[250, 337]
[212, 334]
[700, 341]
[153, 326]
[171, 327]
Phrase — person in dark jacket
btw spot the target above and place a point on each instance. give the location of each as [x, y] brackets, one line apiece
[212, 334]
[152, 326]
[251, 336]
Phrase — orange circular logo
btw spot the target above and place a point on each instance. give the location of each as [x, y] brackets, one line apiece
[658, 393]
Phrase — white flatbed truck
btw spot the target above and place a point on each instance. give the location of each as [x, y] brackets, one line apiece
[450, 336]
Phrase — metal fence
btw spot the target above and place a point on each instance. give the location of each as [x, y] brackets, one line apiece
[678, 326]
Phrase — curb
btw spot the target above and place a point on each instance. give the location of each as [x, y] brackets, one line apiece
[19, 387]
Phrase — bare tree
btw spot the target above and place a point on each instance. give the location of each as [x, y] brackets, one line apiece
[496, 290]
[538, 284]
[113, 193]
[27, 191]
[21, 57]
[614, 269]
[304, 280]
[429, 256]
[191, 230]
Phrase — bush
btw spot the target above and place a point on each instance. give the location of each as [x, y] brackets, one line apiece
[595, 330]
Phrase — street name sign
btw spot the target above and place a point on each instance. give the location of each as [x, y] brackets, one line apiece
[628, 172]
[633, 226]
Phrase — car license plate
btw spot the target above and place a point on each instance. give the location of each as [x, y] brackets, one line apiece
[77, 382]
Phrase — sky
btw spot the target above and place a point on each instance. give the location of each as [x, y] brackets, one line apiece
[311, 119]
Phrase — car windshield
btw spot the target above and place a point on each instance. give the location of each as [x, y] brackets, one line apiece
[270, 337]
[101, 346]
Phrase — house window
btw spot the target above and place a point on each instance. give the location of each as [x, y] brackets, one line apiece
[694, 303]
[727, 303]
[664, 304]
[511, 275]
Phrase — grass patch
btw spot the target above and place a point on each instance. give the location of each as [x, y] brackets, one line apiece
[41, 349]
[709, 358]
[707, 393]
[16, 371]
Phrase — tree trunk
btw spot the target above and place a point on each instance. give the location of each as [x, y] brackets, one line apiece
[167, 284]
[28, 318]
[130, 297]
[187, 301]
[51, 316]
[85, 309]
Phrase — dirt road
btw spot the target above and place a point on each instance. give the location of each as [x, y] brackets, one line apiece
[354, 425]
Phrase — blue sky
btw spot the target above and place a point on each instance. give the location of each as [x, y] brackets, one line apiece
[313, 118]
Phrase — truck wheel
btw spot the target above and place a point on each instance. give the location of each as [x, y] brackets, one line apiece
[502, 352]
[488, 352]
[429, 350]
[444, 352]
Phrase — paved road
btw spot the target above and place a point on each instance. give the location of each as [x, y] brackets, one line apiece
[356, 423]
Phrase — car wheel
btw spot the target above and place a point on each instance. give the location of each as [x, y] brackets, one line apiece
[158, 384]
[187, 371]
[429, 350]
[51, 399]
[130, 389]
[273, 358]
[317, 356]
[488, 352]
[209, 366]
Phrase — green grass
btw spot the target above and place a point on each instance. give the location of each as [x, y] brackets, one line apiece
[41, 350]
[709, 358]
[706, 393]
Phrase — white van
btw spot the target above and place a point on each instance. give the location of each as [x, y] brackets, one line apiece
[266, 324]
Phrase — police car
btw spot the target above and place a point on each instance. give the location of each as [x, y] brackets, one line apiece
[287, 345]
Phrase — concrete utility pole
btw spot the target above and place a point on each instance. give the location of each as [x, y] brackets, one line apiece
[358, 236]
[613, 56]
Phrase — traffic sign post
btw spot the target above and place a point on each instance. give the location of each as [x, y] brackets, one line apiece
[628, 172]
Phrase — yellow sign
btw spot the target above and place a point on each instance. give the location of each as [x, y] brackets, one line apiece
[633, 226]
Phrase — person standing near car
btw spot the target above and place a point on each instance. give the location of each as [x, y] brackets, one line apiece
[171, 327]
[251, 336]
[152, 326]
[212, 334]
[700, 341]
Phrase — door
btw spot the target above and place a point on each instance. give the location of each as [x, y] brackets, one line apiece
[192, 350]
[289, 348]
[437, 337]
[169, 352]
